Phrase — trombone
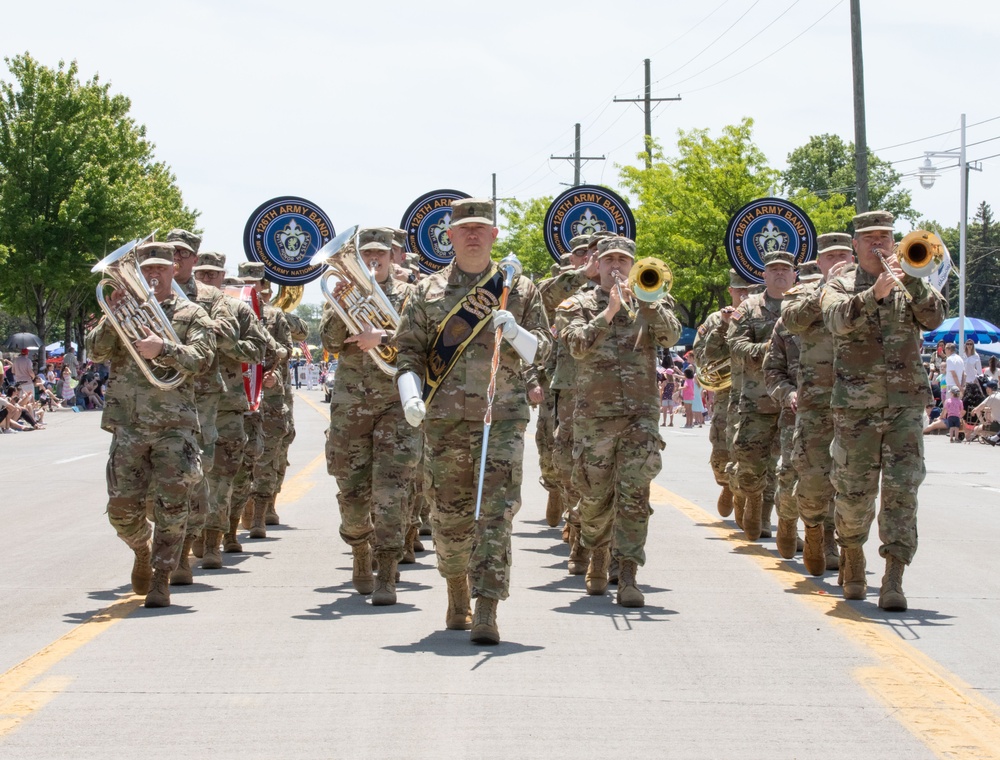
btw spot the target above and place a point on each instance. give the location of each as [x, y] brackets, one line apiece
[920, 253]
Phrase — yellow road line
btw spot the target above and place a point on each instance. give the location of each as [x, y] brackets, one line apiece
[935, 705]
[323, 410]
[18, 700]
[21, 696]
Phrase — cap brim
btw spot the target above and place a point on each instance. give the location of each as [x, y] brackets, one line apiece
[374, 247]
[156, 261]
[810, 277]
[472, 220]
[835, 248]
[208, 268]
[775, 263]
[875, 229]
[616, 250]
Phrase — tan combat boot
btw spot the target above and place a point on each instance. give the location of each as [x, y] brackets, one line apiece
[459, 616]
[788, 535]
[362, 578]
[725, 502]
[246, 514]
[142, 570]
[767, 507]
[831, 549]
[270, 516]
[751, 516]
[739, 507]
[230, 543]
[159, 593]
[553, 508]
[812, 555]
[629, 594]
[213, 557]
[890, 596]
[852, 572]
[409, 550]
[198, 546]
[425, 528]
[385, 585]
[182, 576]
[484, 622]
[257, 529]
[597, 572]
[579, 555]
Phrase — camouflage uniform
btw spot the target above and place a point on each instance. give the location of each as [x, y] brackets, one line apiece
[709, 347]
[453, 429]
[154, 448]
[800, 313]
[879, 394]
[249, 348]
[781, 377]
[371, 450]
[617, 442]
[208, 391]
[299, 331]
[274, 421]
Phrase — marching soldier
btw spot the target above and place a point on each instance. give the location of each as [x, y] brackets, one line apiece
[446, 346]
[616, 435]
[801, 315]
[581, 273]
[208, 391]
[879, 393]
[154, 449]
[710, 348]
[370, 448]
[299, 331]
[222, 520]
[756, 445]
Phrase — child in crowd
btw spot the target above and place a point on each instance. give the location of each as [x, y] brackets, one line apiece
[667, 389]
[953, 412]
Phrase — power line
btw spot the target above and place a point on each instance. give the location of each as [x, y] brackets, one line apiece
[648, 107]
[682, 35]
[939, 134]
[705, 49]
[750, 39]
[782, 49]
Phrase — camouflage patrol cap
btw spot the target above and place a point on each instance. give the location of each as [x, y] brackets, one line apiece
[233, 282]
[398, 237]
[565, 262]
[471, 211]
[211, 262]
[616, 244]
[579, 242]
[598, 237]
[375, 239]
[809, 272]
[187, 239]
[873, 221]
[736, 281]
[412, 260]
[778, 257]
[251, 270]
[150, 254]
[833, 241]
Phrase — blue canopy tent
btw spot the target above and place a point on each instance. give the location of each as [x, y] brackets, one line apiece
[688, 334]
[978, 330]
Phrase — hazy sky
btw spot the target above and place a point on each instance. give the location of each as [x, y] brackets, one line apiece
[362, 107]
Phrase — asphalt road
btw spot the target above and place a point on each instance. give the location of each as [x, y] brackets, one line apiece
[737, 653]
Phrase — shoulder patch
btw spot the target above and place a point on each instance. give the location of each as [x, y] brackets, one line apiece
[794, 290]
[567, 304]
[703, 329]
[737, 315]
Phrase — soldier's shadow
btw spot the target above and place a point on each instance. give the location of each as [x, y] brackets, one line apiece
[621, 617]
[456, 644]
[121, 594]
[351, 603]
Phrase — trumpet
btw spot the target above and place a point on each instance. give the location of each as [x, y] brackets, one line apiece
[920, 253]
[899, 283]
[621, 296]
[650, 279]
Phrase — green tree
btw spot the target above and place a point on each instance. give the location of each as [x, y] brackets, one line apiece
[522, 233]
[77, 178]
[312, 315]
[684, 205]
[825, 165]
[982, 264]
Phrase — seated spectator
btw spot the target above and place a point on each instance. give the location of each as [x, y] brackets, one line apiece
[992, 372]
[64, 388]
[87, 389]
[988, 413]
[18, 417]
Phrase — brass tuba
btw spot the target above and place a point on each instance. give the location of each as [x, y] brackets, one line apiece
[136, 308]
[715, 376]
[362, 303]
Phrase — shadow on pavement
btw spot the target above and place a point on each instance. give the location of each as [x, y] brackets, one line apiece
[622, 617]
[457, 644]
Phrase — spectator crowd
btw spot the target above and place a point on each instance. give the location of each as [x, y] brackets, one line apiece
[966, 399]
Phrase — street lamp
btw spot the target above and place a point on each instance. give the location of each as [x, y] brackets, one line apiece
[927, 174]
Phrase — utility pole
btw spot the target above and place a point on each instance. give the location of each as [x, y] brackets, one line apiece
[860, 138]
[647, 102]
[495, 199]
[577, 159]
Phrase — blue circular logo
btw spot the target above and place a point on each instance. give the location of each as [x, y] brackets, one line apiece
[426, 223]
[766, 225]
[283, 234]
[584, 210]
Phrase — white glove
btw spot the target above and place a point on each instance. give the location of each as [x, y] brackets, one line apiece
[414, 410]
[409, 394]
[504, 320]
